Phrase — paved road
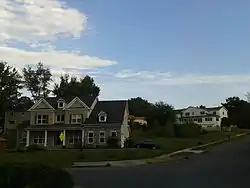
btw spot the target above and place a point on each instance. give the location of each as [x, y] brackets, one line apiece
[226, 165]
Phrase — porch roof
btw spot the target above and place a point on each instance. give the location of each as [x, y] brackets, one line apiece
[54, 127]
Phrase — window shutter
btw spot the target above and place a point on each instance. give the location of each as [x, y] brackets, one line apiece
[70, 118]
[35, 119]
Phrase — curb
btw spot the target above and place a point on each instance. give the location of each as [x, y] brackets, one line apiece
[147, 161]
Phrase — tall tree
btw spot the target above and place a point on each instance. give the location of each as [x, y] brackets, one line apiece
[37, 80]
[10, 85]
[76, 87]
[238, 112]
[23, 103]
[139, 107]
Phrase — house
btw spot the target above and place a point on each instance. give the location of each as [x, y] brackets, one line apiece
[208, 118]
[55, 122]
[141, 120]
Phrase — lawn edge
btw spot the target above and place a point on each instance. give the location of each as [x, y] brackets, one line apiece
[158, 159]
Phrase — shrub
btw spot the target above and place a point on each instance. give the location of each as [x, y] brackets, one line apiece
[34, 148]
[33, 176]
[187, 130]
[129, 143]
[78, 145]
[112, 142]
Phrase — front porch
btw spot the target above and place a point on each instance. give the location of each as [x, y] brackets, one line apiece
[54, 139]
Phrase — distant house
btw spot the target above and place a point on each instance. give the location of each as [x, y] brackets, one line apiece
[54, 122]
[141, 120]
[208, 118]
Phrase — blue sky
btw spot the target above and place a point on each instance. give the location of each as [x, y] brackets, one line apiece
[184, 52]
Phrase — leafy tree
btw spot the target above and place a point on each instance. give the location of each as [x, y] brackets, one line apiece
[74, 87]
[162, 112]
[37, 80]
[139, 107]
[224, 122]
[10, 85]
[23, 103]
[238, 112]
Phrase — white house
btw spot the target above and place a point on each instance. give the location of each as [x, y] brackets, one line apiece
[208, 118]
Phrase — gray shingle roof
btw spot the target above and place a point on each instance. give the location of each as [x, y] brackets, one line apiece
[88, 100]
[114, 110]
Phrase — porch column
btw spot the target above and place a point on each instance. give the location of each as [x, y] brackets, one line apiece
[45, 138]
[82, 137]
[28, 138]
[64, 137]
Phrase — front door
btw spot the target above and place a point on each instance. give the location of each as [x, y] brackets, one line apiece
[56, 139]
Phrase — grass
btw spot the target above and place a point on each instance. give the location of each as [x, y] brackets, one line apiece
[64, 158]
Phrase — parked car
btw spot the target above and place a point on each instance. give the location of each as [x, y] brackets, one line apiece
[147, 144]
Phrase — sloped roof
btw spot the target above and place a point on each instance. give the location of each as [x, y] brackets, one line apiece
[88, 100]
[114, 110]
[214, 108]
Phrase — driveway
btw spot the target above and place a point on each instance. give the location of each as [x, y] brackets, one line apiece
[226, 165]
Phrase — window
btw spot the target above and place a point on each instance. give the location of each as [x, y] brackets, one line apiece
[38, 139]
[12, 122]
[12, 113]
[192, 113]
[75, 139]
[187, 114]
[217, 119]
[102, 118]
[199, 120]
[208, 119]
[23, 138]
[214, 113]
[102, 137]
[60, 104]
[202, 112]
[113, 133]
[42, 119]
[76, 119]
[223, 113]
[90, 137]
[60, 118]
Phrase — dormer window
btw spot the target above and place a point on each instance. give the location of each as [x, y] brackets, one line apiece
[102, 116]
[60, 104]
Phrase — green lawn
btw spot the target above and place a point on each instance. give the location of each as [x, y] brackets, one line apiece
[64, 158]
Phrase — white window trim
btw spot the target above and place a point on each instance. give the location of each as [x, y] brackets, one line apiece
[100, 118]
[79, 139]
[77, 117]
[113, 131]
[42, 119]
[104, 137]
[61, 102]
[39, 138]
[91, 137]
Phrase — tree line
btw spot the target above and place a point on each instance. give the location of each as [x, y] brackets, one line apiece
[37, 79]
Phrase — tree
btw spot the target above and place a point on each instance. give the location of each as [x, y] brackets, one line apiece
[10, 85]
[248, 97]
[69, 87]
[37, 80]
[23, 103]
[238, 112]
[139, 107]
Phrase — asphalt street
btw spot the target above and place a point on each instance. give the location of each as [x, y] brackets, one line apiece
[226, 165]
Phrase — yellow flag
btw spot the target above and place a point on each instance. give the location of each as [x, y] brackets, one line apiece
[61, 136]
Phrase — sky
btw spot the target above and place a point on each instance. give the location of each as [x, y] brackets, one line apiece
[183, 52]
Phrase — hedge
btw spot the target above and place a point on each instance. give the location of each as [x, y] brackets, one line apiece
[33, 176]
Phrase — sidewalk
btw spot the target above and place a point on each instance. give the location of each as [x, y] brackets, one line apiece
[162, 158]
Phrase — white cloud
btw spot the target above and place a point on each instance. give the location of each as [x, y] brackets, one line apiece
[40, 24]
[57, 60]
[166, 78]
[32, 21]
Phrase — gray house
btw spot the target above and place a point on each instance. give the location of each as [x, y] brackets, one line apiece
[55, 122]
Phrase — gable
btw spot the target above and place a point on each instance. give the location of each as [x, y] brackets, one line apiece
[77, 103]
[41, 104]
